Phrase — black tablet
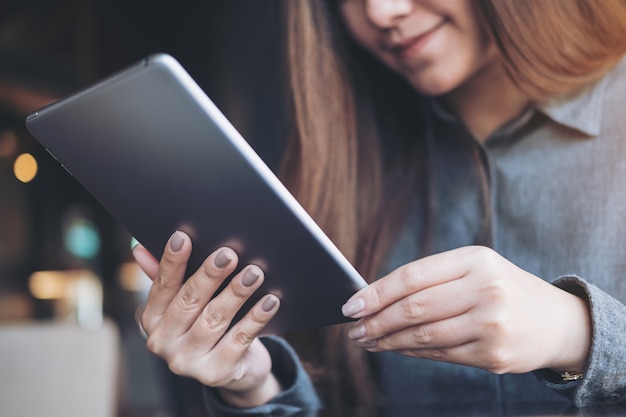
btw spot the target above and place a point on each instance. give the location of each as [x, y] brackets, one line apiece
[157, 153]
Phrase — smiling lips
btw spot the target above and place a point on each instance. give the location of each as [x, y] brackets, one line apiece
[409, 47]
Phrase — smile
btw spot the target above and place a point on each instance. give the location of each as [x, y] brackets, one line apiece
[410, 47]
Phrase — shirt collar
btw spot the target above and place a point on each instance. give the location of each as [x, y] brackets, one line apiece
[580, 110]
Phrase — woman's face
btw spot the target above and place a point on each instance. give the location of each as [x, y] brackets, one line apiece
[437, 45]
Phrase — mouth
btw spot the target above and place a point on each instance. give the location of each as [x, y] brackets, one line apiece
[408, 47]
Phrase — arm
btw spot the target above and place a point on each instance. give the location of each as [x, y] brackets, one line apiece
[604, 381]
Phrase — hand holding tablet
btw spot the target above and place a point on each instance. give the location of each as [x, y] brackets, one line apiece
[157, 153]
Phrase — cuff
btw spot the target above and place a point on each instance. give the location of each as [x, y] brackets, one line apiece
[297, 396]
[604, 382]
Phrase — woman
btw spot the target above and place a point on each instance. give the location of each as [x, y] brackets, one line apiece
[487, 135]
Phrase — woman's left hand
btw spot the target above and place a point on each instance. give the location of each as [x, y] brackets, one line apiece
[471, 306]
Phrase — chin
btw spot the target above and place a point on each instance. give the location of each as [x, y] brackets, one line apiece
[431, 88]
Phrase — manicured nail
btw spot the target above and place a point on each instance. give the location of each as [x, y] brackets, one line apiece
[368, 344]
[223, 258]
[176, 242]
[357, 332]
[353, 307]
[251, 275]
[269, 303]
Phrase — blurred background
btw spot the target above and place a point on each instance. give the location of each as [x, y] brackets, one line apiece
[68, 286]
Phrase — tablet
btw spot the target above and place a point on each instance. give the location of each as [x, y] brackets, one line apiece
[156, 153]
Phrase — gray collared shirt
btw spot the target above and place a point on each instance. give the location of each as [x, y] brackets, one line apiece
[552, 201]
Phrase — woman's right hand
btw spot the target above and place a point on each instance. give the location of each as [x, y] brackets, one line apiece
[190, 329]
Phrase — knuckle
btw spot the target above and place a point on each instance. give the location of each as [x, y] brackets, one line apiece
[482, 253]
[498, 325]
[243, 337]
[213, 377]
[207, 377]
[178, 365]
[376, 296]
[411, 273]
[155, 344]
[209, 270]
[498, 361]
[497, 288]
[167, 267]
[238, 290]
[373, 326]
[496, 293]
[437, 355]
[412, 309]
[162, 282]
[187, 297]
[213, 319]
[421, 336]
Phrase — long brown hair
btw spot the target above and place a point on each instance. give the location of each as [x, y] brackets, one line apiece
[355, 186]
[553, 47]
[358, 186]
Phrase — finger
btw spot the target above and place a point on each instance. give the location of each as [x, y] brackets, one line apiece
[470, 354]
[239, 338]
[146, 261]
[193, 296]
[439, 335]
[432, 304]
[168, 279]
[413, 277]
[457, 354]
[233, 361]
[217, 315]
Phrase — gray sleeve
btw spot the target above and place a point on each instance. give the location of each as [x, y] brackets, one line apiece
[604, 380]
[298, 396]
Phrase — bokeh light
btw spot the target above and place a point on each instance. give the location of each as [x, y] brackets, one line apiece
[25, 167]
[82, 238]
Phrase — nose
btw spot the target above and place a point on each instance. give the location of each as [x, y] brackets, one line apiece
[386, 13]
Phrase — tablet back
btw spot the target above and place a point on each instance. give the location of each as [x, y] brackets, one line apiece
[156, 152]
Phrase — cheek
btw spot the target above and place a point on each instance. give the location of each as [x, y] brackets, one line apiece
[357, 25]
[353, 19]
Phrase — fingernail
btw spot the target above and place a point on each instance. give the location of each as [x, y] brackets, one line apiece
[353, 307]
[250, 276]
[357, 332]
[176, 242]
[269, 303]
[223, 258]
[368, 344]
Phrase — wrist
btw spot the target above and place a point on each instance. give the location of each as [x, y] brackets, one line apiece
[259, 395]
[575, 342]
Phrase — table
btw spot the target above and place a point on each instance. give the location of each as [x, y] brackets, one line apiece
[472, 410]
